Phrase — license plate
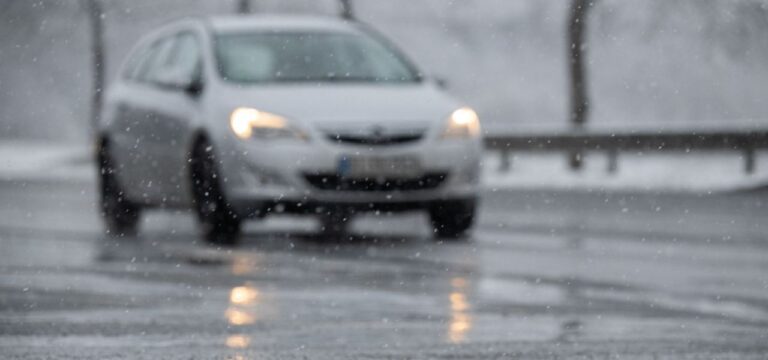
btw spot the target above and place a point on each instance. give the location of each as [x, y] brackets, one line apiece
[379, 166]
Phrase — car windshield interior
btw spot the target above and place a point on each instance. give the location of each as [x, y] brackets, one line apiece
[271, 57]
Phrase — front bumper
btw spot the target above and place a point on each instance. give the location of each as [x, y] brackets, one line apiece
[297, 177]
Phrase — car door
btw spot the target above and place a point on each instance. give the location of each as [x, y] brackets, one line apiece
[133, 128]
[176, 105]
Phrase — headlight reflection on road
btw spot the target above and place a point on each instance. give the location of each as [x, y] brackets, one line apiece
[241, 311]
[242, 265]
[238, 341]
[461, 320]
[458, 302]
[242, 305]
[239, 317]
[243, 295]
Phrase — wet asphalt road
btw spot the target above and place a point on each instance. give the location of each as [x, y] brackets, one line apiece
[545, 275]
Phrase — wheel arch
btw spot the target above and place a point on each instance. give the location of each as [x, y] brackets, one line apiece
[101, 140]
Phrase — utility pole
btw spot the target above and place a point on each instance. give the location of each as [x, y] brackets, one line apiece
[346, 10]
[577, 53]
[243, 7]
[96, 18]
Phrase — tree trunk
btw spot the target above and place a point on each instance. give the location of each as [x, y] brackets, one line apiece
[346, 10]
[243, 7]
[95, 16]
[577, 51]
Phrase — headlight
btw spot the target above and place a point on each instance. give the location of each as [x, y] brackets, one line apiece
[463, 123]
[247, 123]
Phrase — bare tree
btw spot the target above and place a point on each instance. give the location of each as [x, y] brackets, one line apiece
[577, 52]
[346, 9]
[243, 7]
[95, 16]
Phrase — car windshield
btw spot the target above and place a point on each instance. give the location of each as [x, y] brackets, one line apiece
[269, 57]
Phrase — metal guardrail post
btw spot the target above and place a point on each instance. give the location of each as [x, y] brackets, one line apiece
[575, 160]
[749, 160]
[505, 163]
[613, 161]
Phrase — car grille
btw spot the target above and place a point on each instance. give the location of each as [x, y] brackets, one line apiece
[393, 139]
[337, 183]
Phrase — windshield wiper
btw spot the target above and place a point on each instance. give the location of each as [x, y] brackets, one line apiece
[329, 78]
[336, 78]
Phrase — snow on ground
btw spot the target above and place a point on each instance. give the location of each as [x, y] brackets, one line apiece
[29, 161]
[663, 172]
[659, 172]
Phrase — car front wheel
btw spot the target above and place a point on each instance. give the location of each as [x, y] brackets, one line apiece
[334, 223]
[220, 224]
[121, 217]
[452, 219]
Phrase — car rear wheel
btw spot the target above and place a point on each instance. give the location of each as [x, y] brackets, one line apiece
[334, 223]
[220, 224]
[452, 219]
[121, 217]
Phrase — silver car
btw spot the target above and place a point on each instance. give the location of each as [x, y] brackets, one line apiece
[242, 117]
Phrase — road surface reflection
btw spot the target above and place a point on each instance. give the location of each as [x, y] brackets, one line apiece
[242, 310]
[460, 321]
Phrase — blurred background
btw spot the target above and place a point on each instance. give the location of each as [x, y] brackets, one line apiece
[654, 61]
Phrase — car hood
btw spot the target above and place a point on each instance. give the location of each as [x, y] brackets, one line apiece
[350, 107]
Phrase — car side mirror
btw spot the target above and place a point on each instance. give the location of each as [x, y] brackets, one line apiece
[195, 87]
[441, 82]
[176, 80]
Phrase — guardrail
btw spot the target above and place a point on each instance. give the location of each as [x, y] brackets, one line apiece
[576, 142]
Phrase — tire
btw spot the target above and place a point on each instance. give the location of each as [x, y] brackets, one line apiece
[334, 224]
[452, 219]
[219, 223]
[121, 217]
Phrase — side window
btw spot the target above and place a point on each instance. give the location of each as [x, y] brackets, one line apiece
[154, 61]
[131, 67]
[186, 58]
